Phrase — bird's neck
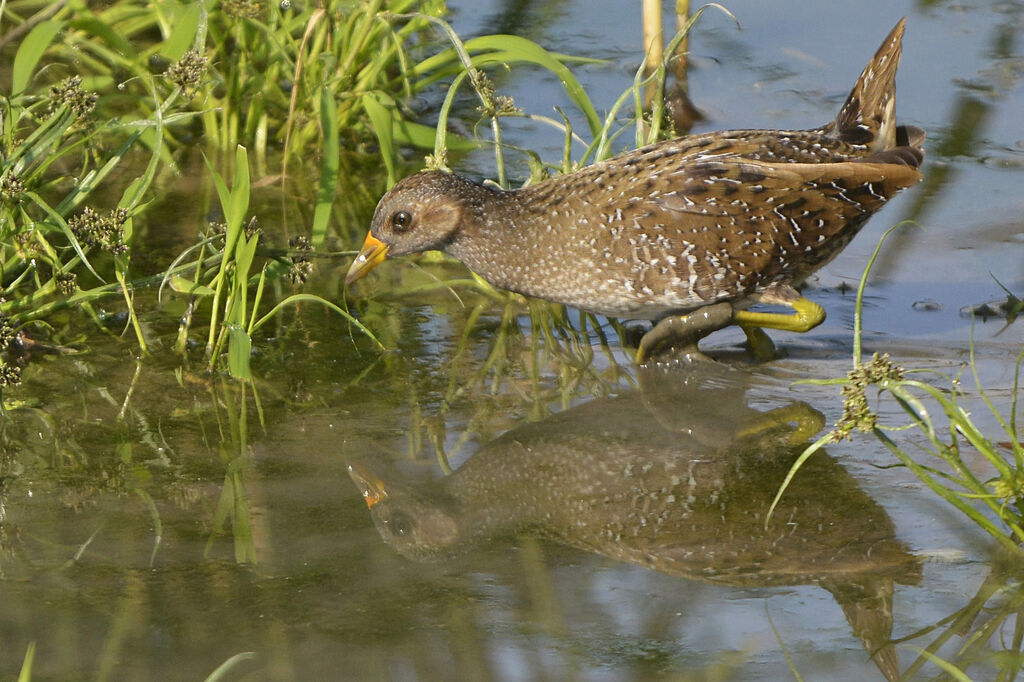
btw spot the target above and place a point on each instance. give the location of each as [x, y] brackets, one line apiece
[508, 242]
[495, 242]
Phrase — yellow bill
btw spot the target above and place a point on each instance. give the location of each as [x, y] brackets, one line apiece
[370, 256]
[373, 488]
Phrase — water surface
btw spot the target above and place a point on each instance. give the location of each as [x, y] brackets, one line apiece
[601, 522]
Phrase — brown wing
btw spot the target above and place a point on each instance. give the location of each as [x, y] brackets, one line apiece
[740, 224]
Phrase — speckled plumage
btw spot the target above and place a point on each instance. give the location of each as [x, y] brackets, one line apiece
[740, 216]
[609, 477]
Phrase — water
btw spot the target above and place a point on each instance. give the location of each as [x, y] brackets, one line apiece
[156, 524]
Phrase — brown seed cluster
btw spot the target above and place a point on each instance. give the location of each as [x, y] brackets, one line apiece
[494, 104]
[69, 92]
[302, 264]
[9, 374]
[105, 232]
[12, 187]
[856, 412]
[67, 282]
[243, 9]
[187, 72]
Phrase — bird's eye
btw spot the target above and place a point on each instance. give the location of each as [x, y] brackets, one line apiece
[400, 524]
[402, 220]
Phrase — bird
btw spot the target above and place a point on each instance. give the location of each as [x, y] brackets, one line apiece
[674, 478]
[688, 233]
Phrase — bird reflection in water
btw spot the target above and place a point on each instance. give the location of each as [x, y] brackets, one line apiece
[677, 478]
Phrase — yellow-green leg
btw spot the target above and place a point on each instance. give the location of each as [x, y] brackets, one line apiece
[806, 316]
[680, 333]
[809, 422]
[760, 343]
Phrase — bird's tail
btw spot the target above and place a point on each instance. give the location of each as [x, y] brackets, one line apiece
[868, 116]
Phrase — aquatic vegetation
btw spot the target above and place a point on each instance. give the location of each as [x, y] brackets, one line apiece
[990, 626]
[230, 254]
[939, 415]
[95, 92]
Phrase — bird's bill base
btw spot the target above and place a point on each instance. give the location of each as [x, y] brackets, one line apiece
[372, 254]
[373, 489]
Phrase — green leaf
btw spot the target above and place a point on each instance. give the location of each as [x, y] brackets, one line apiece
[509, 48]
[224, 668]
[187, 286]
[30, 52]
[26, 667]
[93, 178]
[328, 188]
[418, 135]
[186, 25]
[239, 203]
[38, 145]
[239, 352]
[95, 27]
[298, 298]
[245, 251]
[947, 667]
[380, 118]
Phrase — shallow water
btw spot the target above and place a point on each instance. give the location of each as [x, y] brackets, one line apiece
[602, 522]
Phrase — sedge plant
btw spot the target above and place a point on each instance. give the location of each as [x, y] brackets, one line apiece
[994, 499]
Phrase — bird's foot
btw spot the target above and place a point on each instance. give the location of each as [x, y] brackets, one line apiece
[760, 344]
[806, 316]
[679, 334]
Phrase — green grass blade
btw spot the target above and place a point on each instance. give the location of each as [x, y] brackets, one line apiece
[514, 49]
[441, 134]
[41, 142]
[298, 298]
[93, 26]
[184, 285]
[948, 495]
[96, 176]
[947, 667]
[224, 668]
[133, 193]
[26, 667]
[804, 456]
[186, 25]
[412, 134]
[380, 118]
[328, 169]
[62, 226]
[859, 305]
[239, 352]
[30, 52]
[239, 202]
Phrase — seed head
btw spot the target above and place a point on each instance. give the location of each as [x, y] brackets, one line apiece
[67, 282]
[11, 188]
[9, 374]
[243, 9]
[302, 265]
[105, 232]
[69, 92]
[187, 72]
[856, 412]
